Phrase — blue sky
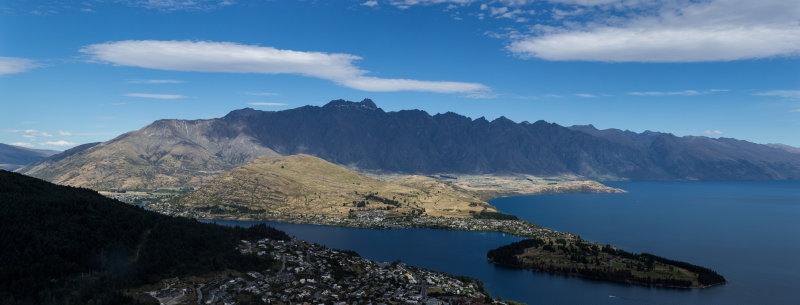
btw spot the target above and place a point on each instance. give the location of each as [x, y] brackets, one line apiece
[73, 72]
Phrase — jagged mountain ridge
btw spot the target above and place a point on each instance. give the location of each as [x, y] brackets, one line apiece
[179, 153]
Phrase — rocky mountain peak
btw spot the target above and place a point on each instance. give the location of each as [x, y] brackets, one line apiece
[364, 104]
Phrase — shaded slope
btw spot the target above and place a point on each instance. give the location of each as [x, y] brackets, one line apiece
[64, 245]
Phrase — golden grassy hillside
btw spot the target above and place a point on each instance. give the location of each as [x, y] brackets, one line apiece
[307, 185]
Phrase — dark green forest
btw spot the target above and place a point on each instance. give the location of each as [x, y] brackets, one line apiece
[66, 245]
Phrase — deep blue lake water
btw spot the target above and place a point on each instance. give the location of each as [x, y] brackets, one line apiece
[747, 231]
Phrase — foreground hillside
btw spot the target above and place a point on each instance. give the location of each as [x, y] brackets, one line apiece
[188, 153]
[13, 157]
[64, 245]
[307, 185]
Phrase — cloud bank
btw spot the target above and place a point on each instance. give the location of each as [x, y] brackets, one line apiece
[663, 31]
[207, 56]
[677, 31]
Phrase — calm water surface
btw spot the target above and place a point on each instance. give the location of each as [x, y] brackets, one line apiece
[747, 231]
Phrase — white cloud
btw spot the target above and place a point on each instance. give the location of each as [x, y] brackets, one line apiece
[716, 30]
[156, 96]
[58, 143]
[206, 56]
[155, 81]
[370, 3]
[11, 65]
[261, 93]
[795, 110]
[64, 133]
[683, 93]
[23, 144]
[713, 132]
[586, 95]
[792, 94]
[181, 5]
[266, 104]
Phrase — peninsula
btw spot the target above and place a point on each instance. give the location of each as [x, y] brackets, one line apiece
[307, 189]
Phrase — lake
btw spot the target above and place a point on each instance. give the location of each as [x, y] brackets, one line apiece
[747, 231]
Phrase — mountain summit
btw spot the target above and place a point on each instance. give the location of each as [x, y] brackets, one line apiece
[181, 153]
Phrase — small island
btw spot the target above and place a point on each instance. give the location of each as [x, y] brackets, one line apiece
[581, 258]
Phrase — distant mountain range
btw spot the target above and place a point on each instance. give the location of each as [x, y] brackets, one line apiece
[13, 157]
[187, 153]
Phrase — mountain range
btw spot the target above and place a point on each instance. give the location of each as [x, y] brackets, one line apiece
[188, 153]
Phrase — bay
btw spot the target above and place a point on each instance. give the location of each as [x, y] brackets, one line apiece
[747, 231]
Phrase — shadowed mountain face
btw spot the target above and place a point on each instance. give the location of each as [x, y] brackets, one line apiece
[178, 153]
[13, 157]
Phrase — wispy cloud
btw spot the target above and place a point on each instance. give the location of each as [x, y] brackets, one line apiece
[11, 65]
[482, 95]
[795, 110]
[370, 3]
[23, 144]
[64, 133]
[586, 95]
[206, 56]
[266, 104]
[156, 96]
[155, 81]
[30, 134]
[181, 5]
[683, 93]
[713, 132]
[58, 143]
[261, 93]
[792, 94]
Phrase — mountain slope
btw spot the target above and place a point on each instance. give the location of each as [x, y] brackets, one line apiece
[13, 157]
[165, 154]
[179, 153]
[306, 185]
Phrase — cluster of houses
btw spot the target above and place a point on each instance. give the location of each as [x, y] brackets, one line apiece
[306, 273]
[380, 221]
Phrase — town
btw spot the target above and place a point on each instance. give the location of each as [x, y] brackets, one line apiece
[378, 219]
[307, 273]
